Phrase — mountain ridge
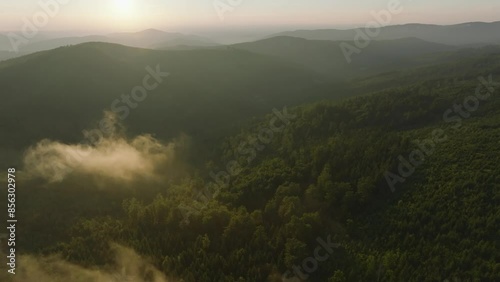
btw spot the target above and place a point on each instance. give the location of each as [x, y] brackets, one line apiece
[457, 34]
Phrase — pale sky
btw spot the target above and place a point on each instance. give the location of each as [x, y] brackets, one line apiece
[180, 15]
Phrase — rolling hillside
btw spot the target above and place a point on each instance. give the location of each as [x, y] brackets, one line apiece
[292, 193]
[327, 57]
[206, 93]
[150, 38]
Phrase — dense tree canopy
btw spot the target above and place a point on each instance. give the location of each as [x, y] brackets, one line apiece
[320, 179]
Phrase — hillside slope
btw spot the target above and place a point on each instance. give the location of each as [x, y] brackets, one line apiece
[206, 92]
[292, 194]
[327, 57]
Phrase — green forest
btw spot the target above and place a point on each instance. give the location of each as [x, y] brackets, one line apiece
[306, 189]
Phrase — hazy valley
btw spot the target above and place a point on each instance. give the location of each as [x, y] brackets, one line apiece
[301, 155]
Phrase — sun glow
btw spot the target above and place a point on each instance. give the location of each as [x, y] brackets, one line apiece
[124, 7]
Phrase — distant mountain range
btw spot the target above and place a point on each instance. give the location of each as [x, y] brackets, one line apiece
[150, 39]
[318, 50]
[474, 33]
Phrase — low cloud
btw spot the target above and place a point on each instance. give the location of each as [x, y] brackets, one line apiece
[112, 156]
[128, 267]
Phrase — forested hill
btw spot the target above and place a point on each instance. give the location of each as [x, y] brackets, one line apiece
[314, 176]
[332, 59]
[206, 92]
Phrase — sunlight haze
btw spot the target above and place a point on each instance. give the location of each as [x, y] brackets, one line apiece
[134, 15]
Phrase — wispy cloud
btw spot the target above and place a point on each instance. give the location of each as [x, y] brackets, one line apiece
[114, 156]
[128, 266]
